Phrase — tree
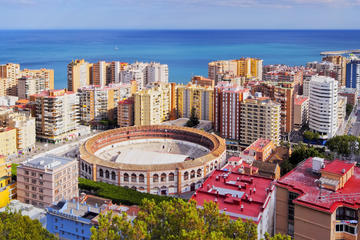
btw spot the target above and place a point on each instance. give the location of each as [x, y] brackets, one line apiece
[174, 220]
[344, 145]
[15, 226]
[193, 120]
[349, 108]
[309, 135]
[301, 152]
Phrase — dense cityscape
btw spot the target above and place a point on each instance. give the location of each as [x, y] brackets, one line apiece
[275, 145]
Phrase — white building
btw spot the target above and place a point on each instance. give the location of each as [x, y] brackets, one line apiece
[157, 72]
[323, 112]
[144, 73]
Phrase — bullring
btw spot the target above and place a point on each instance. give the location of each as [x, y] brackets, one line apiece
[155, 159]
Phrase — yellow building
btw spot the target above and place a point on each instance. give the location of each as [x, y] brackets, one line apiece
[7, 187]
[195, 96]
[260, 118]
[78, 74]
[9, 74]
[45, 77]
[243, 67]
[8, 143]
[154, 105]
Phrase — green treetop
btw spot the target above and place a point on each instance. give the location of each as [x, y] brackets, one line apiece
[14, 226]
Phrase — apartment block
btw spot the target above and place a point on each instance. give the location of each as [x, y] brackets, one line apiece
[243, 67]
[78, 74]
[24, 124]
[48, 179]
[227, 100]
[353, 74]
[57, 115]
[45, 77]
[301, 111]
[9, 73]
[284, 73]
[260, 118]
[203, 81]
[342, 101]
[260, 150]
[340, 65]
[154, 105]
[350, 93]
[8, 144]
[144, 73]
[323, 106]
[116, 67]
[99, 73]
[282, 93]
[7, 185]
[241, 196]
[195, 96]
[98, 103]
[125, 112]
[319, 199]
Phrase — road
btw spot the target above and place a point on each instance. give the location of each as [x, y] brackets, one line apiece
[68, 149]
[355, 129]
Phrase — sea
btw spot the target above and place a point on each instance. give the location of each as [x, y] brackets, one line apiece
[187, 52]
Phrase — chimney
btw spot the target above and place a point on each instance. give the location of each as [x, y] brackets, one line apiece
[242, 207]
[254, 189]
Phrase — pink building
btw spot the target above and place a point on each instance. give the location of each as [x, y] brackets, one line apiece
[48, 179]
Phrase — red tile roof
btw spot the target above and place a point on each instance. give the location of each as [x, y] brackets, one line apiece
[337, 167]
[239, 195]
[302, 180]
[300, 100]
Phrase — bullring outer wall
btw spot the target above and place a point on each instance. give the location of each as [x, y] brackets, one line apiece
[166, 179]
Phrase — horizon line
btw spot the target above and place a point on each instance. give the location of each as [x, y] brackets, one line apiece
[179, 29]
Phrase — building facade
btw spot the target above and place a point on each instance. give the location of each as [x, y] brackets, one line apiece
[195, 96]
[227, 101]
[323, 106]
[9, 73]
[260, 118]
[125, 112]
[78, 74]
[319, 200]
[57, 115]
[301, 111]
[241, 196]
[25, 127]
[353, 74]
[48, 179]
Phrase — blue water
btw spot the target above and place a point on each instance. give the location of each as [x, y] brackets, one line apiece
[187, 52]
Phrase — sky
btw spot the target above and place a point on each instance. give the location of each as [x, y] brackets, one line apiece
[180, 14]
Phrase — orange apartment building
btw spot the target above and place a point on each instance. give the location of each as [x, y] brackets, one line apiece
[319, 200]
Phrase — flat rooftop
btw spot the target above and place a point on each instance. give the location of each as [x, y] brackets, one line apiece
[47, 162]
[303, 181]
[238, 195]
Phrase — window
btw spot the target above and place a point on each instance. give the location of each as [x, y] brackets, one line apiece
[345, 228]
[101, 173]
[41, 197]
[26, 172]
[41, 190]
[171, 176]
[126, 177]
[33, 188]
[199, 173]
[26, 179]
[155, 178]
[41, 182]
[33, 181]
[107, 174]
[186, 176]
[133, 177]
[113, 175]
[33, 174]
[26, 187]
[344, 213]
[41, 176]
[163, 177]
[141, 178]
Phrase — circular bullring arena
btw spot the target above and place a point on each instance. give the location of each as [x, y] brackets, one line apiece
[157, 159]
